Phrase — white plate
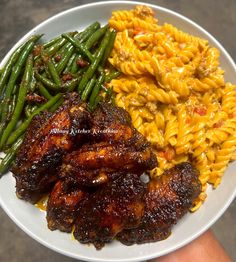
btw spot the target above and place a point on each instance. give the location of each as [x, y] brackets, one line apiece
[33, 221]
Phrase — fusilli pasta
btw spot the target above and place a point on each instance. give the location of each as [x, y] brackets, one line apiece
[175, 92]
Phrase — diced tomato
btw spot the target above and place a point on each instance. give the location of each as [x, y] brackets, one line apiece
[138, 31]
[218, 124]
[200, 110]
[233, 115]
[188, 121]
[161, 154]
[169, 154]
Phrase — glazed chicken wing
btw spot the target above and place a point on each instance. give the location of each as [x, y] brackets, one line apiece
[110, 124]
[35, 168]
[62, 205]
[167, 199]
[113, 125]
[116, 205]
[97, 163]
[115, 147]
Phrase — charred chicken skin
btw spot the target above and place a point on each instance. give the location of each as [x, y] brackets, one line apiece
[96, 164]
[115, 206]
[62, 205]
[48, 138]
[116, 147]
[113, 125]
[168, 198]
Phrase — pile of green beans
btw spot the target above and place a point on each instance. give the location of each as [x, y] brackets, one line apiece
[74, 61]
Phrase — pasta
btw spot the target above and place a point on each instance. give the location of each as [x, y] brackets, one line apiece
[173, 88]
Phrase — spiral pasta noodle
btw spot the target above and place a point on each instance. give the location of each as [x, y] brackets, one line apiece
[174, 90]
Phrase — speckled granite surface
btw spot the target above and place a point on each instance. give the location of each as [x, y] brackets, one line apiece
[19, 16]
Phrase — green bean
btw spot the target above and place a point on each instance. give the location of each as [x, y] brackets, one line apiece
[96, 101]
[109, 97]
[69, 65]
[20, 100]
[12, 105]
[46, 73]
[51, 47]
[109, 47]
[75, 67]
[15, 74]
[81, 37]
[57, 45]
[10, 156]
[15, 89]
[95, 37]
[2, 125]
[54, 48]
[66, 50]
[43, 91]
[52, 42]
[96, 90]
[55, 40]
[79, 47]
[56, 105]
[46, 82]
[94, 65]
[70, 86]
[7, 69]
[112, 75]
[62, 64]
[81, 71]
[53, 72]
[21, 129]
[1, 104]
[88, 89]
[32, 84]
[84, 35]
[33, 108]
[62, 50]
[29, 110]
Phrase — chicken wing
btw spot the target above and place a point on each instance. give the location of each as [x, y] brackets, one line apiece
[36, 164]
[167, 199]
[62, 205]
[113, 125]
[116, 205]
[96, 163]
[115, 148]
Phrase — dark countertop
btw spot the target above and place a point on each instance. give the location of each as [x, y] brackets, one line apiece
[19, 16]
